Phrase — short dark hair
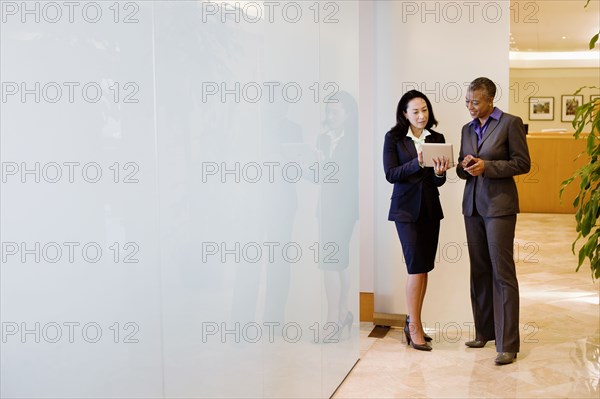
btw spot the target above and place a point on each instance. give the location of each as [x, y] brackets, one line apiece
[402, 124]
[484, 84]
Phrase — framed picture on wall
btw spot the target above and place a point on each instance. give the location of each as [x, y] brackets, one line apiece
[569, 106]
[541, 108]
[594, 97]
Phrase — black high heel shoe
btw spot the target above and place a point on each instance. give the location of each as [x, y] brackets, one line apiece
[410, 342]
[338, 335]
[407, 330]
[427, 337]
[418, 347]
[348, 320]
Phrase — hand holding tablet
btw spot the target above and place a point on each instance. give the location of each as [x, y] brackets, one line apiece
[433, 151]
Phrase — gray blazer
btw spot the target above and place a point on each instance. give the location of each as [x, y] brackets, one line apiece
[504, 150]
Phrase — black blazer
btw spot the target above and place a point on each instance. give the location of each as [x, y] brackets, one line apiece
[413, 186]
[338, 176]
[504, 150]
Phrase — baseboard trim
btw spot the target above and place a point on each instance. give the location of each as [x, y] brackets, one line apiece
[367, 306]
[389, 319]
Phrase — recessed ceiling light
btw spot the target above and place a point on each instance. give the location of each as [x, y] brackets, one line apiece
[555, 55]
[564, 37]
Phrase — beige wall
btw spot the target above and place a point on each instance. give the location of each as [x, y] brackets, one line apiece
[525, 83]
[403, 58]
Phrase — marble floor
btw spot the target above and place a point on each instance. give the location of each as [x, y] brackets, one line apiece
[560, 350]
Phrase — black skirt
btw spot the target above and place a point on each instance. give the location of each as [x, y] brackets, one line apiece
[419, 244]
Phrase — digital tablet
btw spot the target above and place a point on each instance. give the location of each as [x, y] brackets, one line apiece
[437, 150]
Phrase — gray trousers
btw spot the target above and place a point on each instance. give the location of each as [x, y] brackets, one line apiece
[494, 286]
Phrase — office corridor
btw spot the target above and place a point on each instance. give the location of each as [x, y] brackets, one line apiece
[560, 346]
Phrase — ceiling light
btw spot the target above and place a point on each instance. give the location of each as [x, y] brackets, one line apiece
[547, 59]
[554, 55]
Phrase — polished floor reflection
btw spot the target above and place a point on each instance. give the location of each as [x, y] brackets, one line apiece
[560, 350]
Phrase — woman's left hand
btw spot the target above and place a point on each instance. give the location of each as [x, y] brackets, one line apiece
[440, 165]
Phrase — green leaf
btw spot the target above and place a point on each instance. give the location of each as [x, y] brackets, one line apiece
[591, 143]
[584, 181]
[581, 258]
[587, 250]
[589, 218]
[584, 87]
[574, 243]
[594, 40]
[564, 185]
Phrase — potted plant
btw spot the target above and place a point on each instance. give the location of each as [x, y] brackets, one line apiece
[587, 200]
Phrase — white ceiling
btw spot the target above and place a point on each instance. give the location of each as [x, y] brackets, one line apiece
[553, 25]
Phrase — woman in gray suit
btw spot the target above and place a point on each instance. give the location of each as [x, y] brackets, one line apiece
[493, 149]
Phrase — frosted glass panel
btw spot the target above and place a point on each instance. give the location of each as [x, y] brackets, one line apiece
[80, 275]
[179, 198]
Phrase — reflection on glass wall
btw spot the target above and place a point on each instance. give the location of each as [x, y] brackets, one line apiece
[179, 198]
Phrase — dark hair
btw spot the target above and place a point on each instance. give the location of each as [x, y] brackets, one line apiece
[350, 105]
[485, 85]
[402, 124]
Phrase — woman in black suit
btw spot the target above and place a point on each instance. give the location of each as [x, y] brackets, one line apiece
[415, 205]
[338, 207]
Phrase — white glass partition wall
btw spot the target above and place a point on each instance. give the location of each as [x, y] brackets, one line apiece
[179, 208]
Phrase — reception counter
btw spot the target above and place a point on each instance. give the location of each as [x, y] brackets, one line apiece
[554, 158]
